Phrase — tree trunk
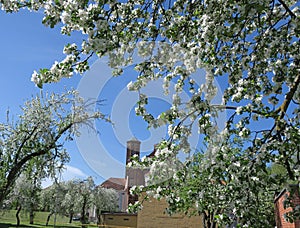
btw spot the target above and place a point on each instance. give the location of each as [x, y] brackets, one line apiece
[98, 215]
[17, 215]
[31, 212]
[82, 219]
[31, 216]
[208, 220]
[70, 217]
[48, 218]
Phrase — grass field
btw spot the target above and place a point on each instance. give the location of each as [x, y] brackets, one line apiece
[8, 219]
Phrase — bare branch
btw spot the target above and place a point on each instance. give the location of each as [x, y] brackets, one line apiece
[288, 98]
[287, 9]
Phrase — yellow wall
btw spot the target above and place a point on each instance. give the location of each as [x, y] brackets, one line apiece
[152, 216]
[119, 220]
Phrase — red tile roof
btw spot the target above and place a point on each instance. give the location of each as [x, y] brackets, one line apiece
[114, 183]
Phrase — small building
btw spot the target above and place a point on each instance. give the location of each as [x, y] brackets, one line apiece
[119, 219]
[120, 185]
[280, 211]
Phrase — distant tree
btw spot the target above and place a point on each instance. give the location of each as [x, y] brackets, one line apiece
[84, 197]
[69, 202]
[36, 139]
[78, 198]
[25, 196]
[51, 200]
[105, 200]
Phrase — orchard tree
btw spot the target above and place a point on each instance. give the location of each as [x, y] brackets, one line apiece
[105, 200]
[69, 202]
[24, 196]
[51, 199]
[35, 140]
[79, 198]
[250, 47]
[84, 197]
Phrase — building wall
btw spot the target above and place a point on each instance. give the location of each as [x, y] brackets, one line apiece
[123, 201]
[280, 210]
[119, 220]
[153, 216]
[133, 148]
[135, 176]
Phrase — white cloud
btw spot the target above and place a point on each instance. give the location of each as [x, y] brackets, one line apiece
[47, 182]
[72, 172]
[69, 173]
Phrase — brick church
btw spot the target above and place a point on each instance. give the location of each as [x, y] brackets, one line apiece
[153, 213]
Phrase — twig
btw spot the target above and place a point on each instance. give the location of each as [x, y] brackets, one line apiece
[287, 9]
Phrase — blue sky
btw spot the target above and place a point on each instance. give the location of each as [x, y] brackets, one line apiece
[27, 45]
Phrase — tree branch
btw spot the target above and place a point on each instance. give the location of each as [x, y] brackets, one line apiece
[23, 143]
[17, 167]
[289, 97]
[287, 9]
[234, 108]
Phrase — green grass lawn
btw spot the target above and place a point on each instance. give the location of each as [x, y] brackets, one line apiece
[8, 219]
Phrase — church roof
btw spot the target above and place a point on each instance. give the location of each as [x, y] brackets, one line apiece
[152, 154]
[134, 139]
[114, 183]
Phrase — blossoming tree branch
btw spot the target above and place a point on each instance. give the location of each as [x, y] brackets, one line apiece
[34, 144]
[250, 47]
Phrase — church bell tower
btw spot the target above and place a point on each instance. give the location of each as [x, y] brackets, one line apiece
[133, 148]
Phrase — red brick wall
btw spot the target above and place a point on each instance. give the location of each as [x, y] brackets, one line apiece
[296, 201]
[280, 211]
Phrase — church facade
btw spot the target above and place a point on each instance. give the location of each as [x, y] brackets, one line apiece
[153, 211]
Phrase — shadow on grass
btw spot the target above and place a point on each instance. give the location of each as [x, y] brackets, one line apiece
[8, 225]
